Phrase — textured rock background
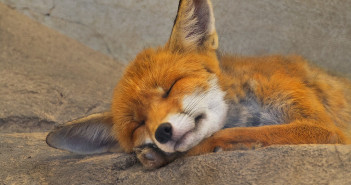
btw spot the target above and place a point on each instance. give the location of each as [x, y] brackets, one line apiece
[32, 162]
[47, 79]
[318, 30]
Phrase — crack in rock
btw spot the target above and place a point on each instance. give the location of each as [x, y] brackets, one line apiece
[25, 124]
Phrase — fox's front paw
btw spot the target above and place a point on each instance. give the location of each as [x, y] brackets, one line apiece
[151, 157]
[217, 145]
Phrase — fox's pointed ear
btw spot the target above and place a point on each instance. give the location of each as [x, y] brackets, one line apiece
[194, 27]
[89, 135]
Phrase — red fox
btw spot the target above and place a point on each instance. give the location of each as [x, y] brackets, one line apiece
[184, 99]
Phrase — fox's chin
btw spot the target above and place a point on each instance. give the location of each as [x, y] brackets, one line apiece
[181, 145]
[168, 148]
[175, 147]
[187, 141]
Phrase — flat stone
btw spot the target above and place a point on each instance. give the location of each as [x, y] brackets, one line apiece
[48, 78]
[26, 159]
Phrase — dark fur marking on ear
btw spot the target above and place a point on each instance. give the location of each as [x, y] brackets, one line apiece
[176, 18]
[202, 14]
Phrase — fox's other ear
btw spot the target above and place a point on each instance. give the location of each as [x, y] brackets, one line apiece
[88, 135]
[194, 27]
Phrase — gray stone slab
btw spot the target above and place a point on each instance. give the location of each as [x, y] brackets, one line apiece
[47, 78]
[26, 159]
[319, 30]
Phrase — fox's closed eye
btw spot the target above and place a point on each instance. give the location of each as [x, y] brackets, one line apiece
[165, 95]
[142, 122]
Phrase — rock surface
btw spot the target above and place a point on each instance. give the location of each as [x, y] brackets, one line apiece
[33, 162]
[47, 79]
[316, 29]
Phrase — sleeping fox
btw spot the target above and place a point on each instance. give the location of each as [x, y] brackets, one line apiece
[183, 99]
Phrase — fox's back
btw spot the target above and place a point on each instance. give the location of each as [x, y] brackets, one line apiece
[276, 90]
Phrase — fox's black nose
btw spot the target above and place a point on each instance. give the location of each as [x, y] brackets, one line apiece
[164, 133]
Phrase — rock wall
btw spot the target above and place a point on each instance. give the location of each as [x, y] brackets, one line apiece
[47, 78]
[318, 30]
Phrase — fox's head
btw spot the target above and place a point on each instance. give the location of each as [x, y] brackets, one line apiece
[169, 96]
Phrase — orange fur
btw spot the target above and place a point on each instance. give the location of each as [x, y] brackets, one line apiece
[137, 97]
[272, 78]
[181, 98]
[317, 105]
